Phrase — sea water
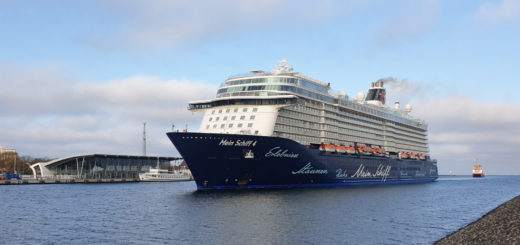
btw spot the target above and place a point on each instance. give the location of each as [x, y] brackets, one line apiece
[175, 213]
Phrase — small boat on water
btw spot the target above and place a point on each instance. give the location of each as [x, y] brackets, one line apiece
[157, 175]
[478, 171]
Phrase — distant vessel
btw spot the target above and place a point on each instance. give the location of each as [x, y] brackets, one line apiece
[159, 175]
[478, 171]
[284, 129]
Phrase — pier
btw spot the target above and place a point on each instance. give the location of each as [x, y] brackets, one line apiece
[65, 181]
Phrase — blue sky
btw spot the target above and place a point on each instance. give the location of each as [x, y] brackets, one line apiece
[81, 76]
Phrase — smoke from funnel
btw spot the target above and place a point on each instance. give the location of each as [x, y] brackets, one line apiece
[397, 85]
[402, 90]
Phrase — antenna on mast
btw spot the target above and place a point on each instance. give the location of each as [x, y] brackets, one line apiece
[144, 139]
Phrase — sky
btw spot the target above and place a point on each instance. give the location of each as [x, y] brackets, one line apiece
[81, 77]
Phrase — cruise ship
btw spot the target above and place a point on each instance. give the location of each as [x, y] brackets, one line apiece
[285, 129]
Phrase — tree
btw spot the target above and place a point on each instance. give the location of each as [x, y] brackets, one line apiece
[8, 160]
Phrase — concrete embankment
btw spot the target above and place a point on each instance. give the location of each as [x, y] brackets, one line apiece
[64, 181]
[499, 226]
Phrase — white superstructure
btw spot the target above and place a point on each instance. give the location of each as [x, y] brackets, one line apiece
[288, 104]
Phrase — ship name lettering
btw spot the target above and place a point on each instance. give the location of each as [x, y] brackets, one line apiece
[226, 142]
[245, 143]
[382, 171]
[277, 152]
[340, 173]
[308, 169]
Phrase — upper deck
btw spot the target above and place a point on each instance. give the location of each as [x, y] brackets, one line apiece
[282, 83]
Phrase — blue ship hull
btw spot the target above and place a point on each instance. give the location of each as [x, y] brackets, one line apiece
[228, 161]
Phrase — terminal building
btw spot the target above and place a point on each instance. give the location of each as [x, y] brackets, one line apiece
[98, 166]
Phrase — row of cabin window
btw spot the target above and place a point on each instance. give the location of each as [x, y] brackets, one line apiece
[249, 125]
[234, 110]
[252, 117]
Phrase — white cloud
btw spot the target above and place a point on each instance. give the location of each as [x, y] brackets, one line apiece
[160, 23]
[419, 17]
[497, 12]
[44, 113]
[462, 129]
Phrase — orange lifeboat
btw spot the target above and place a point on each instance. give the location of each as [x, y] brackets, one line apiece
[421, 156]
[330, 148]
[403, 155]
[322, 148]
[361, 148]
[412, 156]
[340, 149]
[350, 149]
[375, 151]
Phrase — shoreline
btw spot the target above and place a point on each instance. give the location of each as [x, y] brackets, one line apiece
[499, 226]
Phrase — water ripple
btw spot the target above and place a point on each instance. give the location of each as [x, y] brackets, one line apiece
[173, 213]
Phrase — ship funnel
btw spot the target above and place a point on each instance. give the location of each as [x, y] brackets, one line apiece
[377, 93]
[397, 106]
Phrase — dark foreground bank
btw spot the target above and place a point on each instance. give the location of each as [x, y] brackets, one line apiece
[499, 226]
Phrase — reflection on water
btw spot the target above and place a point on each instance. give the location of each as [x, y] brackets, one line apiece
[166, 213]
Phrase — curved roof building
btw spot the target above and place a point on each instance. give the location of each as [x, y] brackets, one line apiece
[99, 166]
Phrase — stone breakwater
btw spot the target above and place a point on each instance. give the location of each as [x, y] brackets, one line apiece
[499, 226]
